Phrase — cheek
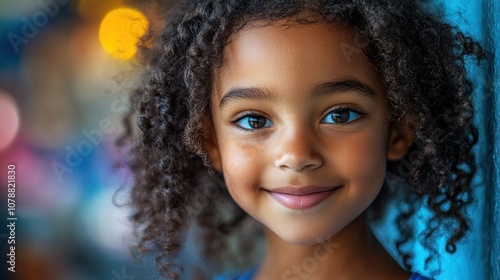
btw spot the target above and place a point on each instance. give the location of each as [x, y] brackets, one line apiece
[240, 166]
[364, 160]
[237, 158]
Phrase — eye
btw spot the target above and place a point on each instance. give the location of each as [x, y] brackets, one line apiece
[342, 116]
[252, 122]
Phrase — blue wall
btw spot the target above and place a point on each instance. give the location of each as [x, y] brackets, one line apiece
[491, 25]
[479, 257]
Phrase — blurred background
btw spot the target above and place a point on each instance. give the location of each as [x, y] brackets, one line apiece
[66, 67]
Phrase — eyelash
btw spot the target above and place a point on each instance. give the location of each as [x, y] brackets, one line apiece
[346, 108]
[247, 114]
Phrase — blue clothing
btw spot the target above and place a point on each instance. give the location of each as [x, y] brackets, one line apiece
[248, 275]
[416, 276]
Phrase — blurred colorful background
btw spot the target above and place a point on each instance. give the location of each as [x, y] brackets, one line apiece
[65, 70]
[66, 67]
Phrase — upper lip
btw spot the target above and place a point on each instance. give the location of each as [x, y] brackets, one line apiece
[304, 190]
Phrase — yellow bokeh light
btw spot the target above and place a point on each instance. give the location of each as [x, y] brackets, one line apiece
[120, 30]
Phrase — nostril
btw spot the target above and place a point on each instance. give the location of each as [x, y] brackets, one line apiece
[296, 150]
[299, 163]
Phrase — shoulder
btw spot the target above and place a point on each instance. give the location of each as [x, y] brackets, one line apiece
[416, 276]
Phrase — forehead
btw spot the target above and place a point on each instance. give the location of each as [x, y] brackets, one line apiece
[306, 53]
[290, 37]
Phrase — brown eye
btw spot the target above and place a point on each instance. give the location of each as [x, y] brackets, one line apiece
[341, 116]
[253, 122]
[256, 122]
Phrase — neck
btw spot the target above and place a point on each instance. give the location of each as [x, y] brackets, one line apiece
[353, 253]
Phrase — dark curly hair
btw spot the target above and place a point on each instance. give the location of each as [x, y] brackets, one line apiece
[420, 58]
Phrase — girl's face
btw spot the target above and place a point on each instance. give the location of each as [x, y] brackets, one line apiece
[300, 128]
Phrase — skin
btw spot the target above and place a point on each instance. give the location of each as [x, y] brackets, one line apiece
[296, 142]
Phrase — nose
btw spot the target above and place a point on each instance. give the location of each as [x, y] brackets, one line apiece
[297, 151]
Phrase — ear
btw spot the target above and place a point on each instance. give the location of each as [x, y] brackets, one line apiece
[211, 144]
[400, 140]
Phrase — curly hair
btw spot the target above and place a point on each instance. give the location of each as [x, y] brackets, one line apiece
[420, 58]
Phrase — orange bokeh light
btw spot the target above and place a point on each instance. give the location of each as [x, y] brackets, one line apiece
[120, 31]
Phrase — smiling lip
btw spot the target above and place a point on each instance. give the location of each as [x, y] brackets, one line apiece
[300, 198]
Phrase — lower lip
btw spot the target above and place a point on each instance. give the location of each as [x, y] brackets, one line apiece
[300, 202]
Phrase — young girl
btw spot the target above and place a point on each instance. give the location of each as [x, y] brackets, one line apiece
[311, 114]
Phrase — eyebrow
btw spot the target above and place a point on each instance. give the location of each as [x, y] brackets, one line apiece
[328, 88]
[343, 86]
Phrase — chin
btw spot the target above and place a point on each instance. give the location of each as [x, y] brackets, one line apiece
[304, 237]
